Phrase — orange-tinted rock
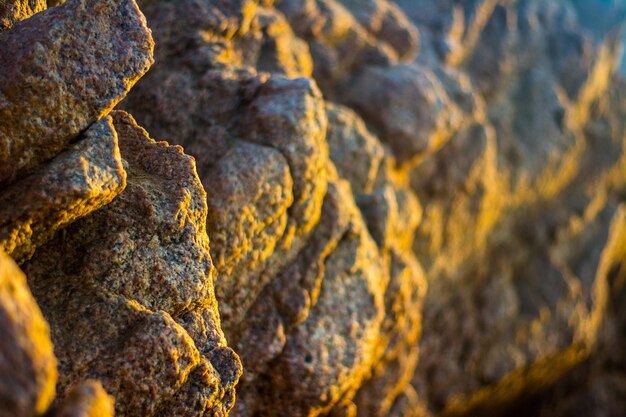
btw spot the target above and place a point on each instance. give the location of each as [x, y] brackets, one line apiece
[27, 362]
[12, 11]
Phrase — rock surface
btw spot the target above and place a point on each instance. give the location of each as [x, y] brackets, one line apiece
[62, 70]
[12, 11]
[415, 207]
[27, 362]
[262, 155]
[138, 267]
[81, 180]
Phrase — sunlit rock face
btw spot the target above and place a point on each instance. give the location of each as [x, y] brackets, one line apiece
[311, 226]
[109, 227]
[303, 208]
[133, 282]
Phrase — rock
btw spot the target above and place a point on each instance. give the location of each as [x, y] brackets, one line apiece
[198, 32]
[134, 269]
[321, 354]
[260, 143]
[12, 11]
[88, 399]
[276, 48]
[27, 362]
[339, 44]
[76, 183]
[416, 116]
[357, 153]
[460, 182]
[598, 385]
[111, 48]
[248, 216]
[387, 23]
[257, 222]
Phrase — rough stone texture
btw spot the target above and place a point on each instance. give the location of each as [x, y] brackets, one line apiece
[339, 44]
[272, 46]
[134, 269]
[62, 70]
[12, 11]
[271, 126]
[322, 344]
[81, 180]
[283, 258]
[280, 138]
[27, 362]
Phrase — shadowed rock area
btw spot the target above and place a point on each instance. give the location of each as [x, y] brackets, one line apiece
[307, 208]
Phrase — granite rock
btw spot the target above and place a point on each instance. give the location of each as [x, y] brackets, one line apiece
[81, 180]
[137, 266]
[61, 71]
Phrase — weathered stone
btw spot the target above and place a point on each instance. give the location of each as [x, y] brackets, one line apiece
[272, 46]
[339, 44]
[76, 183]
[12, 11]
[62, 70]
[117, 281]
[387, 23]
[27, 362]
[274, 127]
[320, 354]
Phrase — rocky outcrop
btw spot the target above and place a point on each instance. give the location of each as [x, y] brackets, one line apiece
[289, 244]
[110, 226]
[141, 267]
[414, 207]
[515, 246]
